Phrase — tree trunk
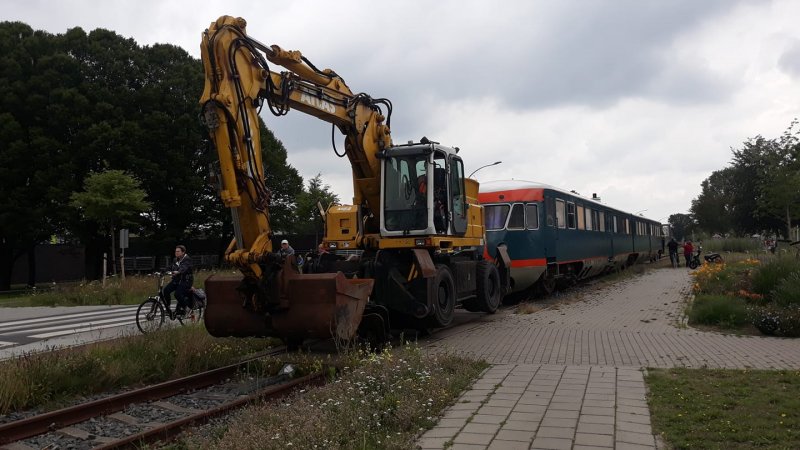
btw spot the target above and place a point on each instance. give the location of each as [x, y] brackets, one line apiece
[6, 266]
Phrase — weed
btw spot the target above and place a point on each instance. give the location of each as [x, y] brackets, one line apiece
[50, 379]
[382, 401]
[767, 278]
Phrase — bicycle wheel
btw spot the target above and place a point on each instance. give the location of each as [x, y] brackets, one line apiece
[150, 316]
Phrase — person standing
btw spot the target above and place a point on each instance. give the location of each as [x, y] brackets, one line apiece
[688, 249]
[286, 249]
[673, 253]
[182, 279]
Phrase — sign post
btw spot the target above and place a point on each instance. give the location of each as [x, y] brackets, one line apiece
[123, 244]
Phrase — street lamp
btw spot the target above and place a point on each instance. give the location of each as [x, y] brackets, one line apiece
[481, 167]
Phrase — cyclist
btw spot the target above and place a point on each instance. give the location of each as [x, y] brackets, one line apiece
[181, 284]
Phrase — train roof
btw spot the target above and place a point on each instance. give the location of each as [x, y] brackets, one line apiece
[519, 185]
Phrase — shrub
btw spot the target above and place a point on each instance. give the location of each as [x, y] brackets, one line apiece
[766, 279]
[738, 245]
[787, 292]
[777, 321]
[719, 310]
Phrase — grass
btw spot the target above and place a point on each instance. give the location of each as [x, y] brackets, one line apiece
[725, 409]
[48, 380]
[719, 310]
[133, 290]
[380, 401]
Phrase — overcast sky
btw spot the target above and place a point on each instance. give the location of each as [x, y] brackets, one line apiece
[636, 100]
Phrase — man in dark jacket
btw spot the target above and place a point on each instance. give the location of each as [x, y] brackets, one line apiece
[182, 279]
[673, 252]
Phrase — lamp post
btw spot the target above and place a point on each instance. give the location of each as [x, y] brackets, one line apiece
[481, 167]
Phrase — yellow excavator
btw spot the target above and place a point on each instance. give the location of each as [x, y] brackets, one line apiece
[414, 232]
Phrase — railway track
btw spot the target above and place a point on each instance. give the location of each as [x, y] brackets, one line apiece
[150, 414]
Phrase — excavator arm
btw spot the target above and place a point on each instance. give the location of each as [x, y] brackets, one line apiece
[238, 81]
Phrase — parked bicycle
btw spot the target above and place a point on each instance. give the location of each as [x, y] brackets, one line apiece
[152, 313]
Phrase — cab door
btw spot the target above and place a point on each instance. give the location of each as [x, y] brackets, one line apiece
[458, 198]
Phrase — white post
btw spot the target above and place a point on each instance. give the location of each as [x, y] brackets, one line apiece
[122, 262]
[105, 266]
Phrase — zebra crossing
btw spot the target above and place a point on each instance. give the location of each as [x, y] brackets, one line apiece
[29, 330]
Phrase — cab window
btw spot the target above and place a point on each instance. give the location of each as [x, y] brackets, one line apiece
[516, 221]
[495, 216]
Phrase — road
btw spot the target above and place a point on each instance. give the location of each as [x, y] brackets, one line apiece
[26, 330]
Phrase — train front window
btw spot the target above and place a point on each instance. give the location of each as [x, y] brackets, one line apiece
[517, 219]
[532, 216]
[495, 216]
[405, 193]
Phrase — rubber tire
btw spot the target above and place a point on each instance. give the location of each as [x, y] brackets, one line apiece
[148, 307]
[693, 264]
[444, 303]
[488, 286]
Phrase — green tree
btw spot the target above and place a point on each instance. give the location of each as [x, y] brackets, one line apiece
[112, 199]
[682, 225]
[712, 208]
[309, 219]
[780, 188]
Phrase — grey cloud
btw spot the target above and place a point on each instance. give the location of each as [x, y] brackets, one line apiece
[789, 62]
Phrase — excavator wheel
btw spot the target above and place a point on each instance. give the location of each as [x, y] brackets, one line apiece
[443, 293]
[488, 285]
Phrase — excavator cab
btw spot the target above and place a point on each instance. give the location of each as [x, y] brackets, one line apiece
[418, 197]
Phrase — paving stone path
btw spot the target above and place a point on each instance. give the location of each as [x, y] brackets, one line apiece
[571, 375]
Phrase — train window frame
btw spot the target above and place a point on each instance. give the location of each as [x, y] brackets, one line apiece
[571, 221]
[561, 213]
[588, 212]
[536, 215]
[505, 218]
[511, 214]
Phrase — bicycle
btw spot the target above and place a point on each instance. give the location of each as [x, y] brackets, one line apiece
[152, 313]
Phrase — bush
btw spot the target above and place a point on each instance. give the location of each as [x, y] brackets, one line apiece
[737, 245]
[767, 278]
[719, 310]
[774, 320]
[787, 292]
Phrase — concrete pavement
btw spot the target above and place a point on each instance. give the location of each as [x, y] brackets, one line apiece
[571, 376]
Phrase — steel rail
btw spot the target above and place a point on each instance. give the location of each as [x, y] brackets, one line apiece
[171, 430]
[42, 423]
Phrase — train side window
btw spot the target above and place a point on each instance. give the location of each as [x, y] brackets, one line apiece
[532, 216]
[495, 216]
[581, 218]
[602, 221]
[561, 214]
[571, 215]
[589, 219]
[516, 220]
[549, 210]
[614, 227]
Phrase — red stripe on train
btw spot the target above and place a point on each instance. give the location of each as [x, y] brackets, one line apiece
[517, 195]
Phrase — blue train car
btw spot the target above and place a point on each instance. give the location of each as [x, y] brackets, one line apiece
[554, 236]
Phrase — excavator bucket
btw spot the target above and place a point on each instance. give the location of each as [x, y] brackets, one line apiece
[322, 305]
[311, 306]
